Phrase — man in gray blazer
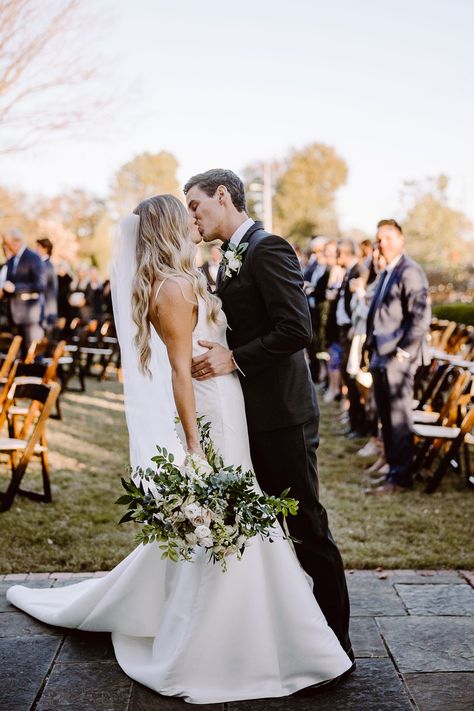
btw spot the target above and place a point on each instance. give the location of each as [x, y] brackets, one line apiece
[397, 325]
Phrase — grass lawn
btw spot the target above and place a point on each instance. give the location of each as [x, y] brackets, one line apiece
[78, 531]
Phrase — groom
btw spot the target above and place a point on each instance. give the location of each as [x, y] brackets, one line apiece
[261, 288]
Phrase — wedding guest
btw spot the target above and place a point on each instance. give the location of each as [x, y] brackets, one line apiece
[397, 326]
[348, 259]
[366, 249]
[315, 289]
[331, 331]
[211, 266]
[24, 287]
[94, 294]
[49, 317]
[78, 306]
[64, 289]
[316, 252]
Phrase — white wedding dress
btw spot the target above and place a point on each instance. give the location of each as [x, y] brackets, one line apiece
[188, 629]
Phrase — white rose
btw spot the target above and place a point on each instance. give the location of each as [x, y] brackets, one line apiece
[234, 264]
[241, 541]
[229, 254]
[191, 538]
[206, 542]
[202, 532]
[191, 511]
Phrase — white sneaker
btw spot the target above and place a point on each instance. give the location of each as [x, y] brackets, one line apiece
[369, 450]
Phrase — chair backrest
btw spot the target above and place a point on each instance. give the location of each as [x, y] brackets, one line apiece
[43, 396]
[11, 356]
[449, 411]
[30, 356]
[448, 332]
[5, 400]
[53, 365]
[32, 370]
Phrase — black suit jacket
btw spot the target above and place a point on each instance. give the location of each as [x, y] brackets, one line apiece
[50, 304]
[25, 304]
[269, 327]
[401, 319]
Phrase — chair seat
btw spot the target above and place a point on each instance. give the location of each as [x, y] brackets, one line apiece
[64, 360]
[28, 379]
[10, 444]
[436, 432]
[425, 417]
[96, 351]
[18, 410]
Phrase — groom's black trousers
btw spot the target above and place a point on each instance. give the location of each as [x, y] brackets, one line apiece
[287, 458]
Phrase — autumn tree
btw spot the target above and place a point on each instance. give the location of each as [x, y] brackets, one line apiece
[304, 201]
[146, 175]
[436, 233]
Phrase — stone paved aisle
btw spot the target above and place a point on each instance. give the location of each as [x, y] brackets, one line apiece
[413, 634]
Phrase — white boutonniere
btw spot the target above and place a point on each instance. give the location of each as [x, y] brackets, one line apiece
[232, 259]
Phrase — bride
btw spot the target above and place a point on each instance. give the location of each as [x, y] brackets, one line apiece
[188, 629]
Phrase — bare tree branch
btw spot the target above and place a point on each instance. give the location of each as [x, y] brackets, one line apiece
[42, 58]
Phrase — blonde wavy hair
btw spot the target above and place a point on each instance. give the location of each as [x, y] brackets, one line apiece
[164, 249]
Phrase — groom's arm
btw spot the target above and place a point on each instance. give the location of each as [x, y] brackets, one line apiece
[278, 276]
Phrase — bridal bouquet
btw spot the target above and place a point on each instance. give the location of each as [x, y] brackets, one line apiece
[200, 504]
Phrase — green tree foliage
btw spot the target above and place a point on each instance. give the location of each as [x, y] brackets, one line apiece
[437, 235]
[146, 175]
[304, 202]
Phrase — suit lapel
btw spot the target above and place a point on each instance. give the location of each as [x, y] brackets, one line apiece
[391, 278]
[224, 281]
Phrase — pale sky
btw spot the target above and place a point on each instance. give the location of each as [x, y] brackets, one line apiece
[388, 83]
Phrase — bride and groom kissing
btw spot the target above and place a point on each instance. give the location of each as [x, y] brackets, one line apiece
[238, 359]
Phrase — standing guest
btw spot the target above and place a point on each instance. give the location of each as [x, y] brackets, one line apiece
[94, 294]
[331, 333]
[397, 326]
[78, 306]
[316, 246]
[24, 288]
[64, 289]
[348, 259]
[315, 290]
[366, 249]
[44, 248]
[211, 266]
[4, 320]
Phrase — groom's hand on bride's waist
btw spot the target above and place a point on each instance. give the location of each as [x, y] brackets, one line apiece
[218, 360]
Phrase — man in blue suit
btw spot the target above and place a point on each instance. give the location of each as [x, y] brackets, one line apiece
[24, 288]
[397, 325]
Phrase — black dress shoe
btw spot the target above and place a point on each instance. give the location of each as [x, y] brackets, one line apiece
[324, 686]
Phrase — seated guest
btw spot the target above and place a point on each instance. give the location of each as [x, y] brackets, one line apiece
[24, 289]
[397, 326]
[44, 248]
[211, 266]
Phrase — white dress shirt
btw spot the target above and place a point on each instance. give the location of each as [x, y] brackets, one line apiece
[241, 230]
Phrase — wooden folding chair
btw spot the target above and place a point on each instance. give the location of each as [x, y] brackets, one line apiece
[447, 440]
[10, 358]
[31, 441]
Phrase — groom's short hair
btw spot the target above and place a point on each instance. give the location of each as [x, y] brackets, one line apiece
[209, 181]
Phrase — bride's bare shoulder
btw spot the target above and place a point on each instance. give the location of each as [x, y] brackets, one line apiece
[173, 291]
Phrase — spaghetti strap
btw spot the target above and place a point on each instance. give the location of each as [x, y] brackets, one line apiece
[159, 287]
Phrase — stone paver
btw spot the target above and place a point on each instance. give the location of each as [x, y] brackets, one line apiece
[86, 686]
[366, 638]
[441, 692]
[412, 632]
[430, 644]
[438, 599]
[374, 686]
[371, 597]
[24, 664]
